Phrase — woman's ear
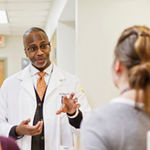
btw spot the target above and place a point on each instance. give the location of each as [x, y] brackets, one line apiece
[116, 72]
[117, 66]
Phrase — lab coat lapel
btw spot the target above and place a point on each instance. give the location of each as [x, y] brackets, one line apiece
[26, 81]
[56, 80]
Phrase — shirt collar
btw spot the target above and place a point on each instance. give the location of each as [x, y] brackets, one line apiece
[127, 101]
[34, 70]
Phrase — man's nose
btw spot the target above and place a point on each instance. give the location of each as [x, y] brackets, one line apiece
[39, 51]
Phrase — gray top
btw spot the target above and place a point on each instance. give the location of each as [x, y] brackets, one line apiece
[115, 126]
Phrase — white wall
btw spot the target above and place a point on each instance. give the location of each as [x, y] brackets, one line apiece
[14, 52]
[99, 23]
[65, 36]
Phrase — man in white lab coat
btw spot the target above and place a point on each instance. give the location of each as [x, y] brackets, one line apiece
[41, 112]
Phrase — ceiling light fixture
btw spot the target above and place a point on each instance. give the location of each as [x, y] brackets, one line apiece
[3, 17]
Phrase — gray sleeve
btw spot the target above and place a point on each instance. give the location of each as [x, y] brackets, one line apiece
[93, 134]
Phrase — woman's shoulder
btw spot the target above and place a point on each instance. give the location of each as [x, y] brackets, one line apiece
[113, 110]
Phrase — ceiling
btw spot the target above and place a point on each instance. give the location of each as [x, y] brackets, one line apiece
[23, 14]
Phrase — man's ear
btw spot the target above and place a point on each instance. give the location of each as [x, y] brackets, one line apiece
[25, 51]
[50, 47]
[118, 66]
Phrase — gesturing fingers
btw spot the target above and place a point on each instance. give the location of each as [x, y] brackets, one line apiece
[26, 122]
[75, 100]
[36, 129]
[38, 125]
[69, 104]
[77, 106]
[69, 100]
[62, 109]
[71, 95]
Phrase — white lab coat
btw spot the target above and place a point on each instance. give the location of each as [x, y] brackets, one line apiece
[18, 103]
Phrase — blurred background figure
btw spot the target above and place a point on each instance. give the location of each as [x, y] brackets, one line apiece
[8, 144]
[123, 123]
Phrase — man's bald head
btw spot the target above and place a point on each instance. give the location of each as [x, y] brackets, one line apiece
[30, 30]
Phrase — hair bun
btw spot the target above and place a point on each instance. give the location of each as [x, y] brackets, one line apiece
[139, 76]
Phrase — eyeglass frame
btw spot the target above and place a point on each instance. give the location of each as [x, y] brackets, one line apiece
[37, 47]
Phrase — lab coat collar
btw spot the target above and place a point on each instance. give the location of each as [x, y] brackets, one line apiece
[57, 78]
[26, 81]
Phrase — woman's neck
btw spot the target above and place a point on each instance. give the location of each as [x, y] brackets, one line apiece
[126, 91]
[131, 94]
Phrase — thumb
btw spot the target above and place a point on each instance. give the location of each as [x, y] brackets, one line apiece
[59, 111]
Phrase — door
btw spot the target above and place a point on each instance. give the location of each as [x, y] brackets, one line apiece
[2, 71]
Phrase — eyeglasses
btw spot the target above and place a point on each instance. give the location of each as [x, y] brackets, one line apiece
[35, 48]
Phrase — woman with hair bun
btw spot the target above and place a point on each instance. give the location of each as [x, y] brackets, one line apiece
[123, 123]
